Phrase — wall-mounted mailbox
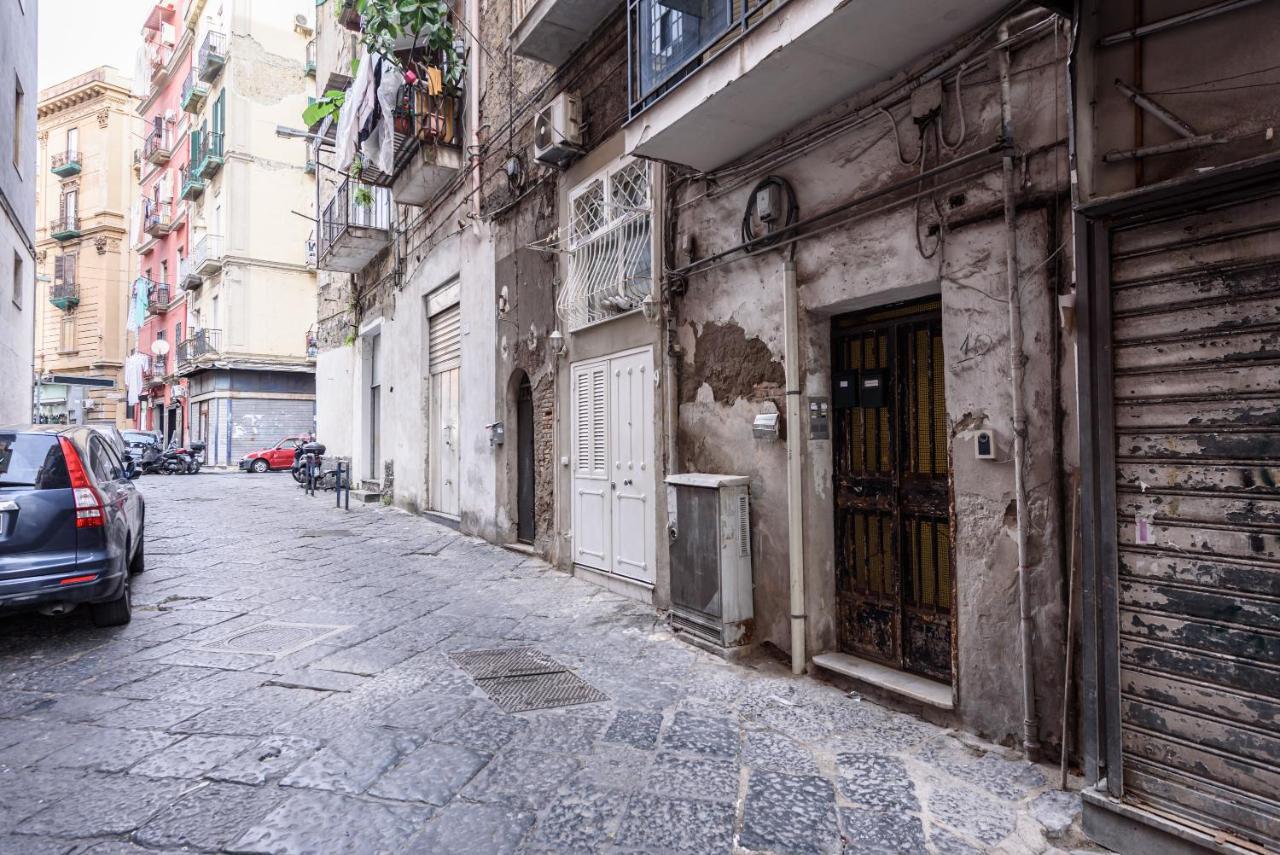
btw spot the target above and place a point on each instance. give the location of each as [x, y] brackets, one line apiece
[819, 419]
[844, 390]
[871, 392]
[497, 433]
[767, 426]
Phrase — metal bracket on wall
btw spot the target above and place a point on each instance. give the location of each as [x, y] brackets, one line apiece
[1191, 139]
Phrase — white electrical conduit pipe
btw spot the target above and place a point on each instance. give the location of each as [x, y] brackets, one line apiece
[1030, 725]
[795, 438]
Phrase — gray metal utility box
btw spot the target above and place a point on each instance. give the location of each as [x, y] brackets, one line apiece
[709, 525]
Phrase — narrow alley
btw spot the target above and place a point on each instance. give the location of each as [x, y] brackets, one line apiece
[291, 682]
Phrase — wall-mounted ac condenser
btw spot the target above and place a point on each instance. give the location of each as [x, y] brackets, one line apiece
[709, 525]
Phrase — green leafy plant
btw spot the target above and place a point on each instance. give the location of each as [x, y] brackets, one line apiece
[428, 22]
[363, 196]
[327, 104]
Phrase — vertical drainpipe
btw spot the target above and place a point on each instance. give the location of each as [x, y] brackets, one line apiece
[1030, 724]
[795, 534]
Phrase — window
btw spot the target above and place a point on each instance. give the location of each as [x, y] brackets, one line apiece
[609, 240]
[164, 272]
[67, 333]
[17, 280]
[177, 332]
[70, 206]
[19, 109]
[100, 461]
[73, 139]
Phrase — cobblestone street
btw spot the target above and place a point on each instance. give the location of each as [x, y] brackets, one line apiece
[286, 686]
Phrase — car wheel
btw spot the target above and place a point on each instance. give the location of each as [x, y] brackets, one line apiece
[115, 612]
[138, 564]
[260, 465]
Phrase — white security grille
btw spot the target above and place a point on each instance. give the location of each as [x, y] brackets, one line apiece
[609, 241]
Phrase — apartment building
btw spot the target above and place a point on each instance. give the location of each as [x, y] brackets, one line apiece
[249, 290]
[87, 128]
[160, 228]
[17, 208]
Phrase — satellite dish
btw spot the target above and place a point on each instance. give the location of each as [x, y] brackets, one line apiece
[159, 347]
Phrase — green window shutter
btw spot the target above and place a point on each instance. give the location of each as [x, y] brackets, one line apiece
[195, 146]
[219, 114]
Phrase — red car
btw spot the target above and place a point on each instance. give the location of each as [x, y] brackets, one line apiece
[278, 456]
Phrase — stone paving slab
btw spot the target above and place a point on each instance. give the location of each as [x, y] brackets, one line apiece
[153, 738]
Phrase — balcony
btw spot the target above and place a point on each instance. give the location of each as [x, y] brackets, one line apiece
[212, 56]
[65, 295]
[551, 30]
[64, 227]
[428, 142]
[309, 63]
[159, 296]
[194, 92]
[158, 146]
[355, 226]
[190, 184]
[209, 154]
[65, 164]
[200, 343]
[708, 83]
[157, 219]
[206, 255]
[188, 278]
[349, 15]
[155, 370]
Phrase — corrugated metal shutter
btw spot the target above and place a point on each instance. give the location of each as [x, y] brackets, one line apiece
[1196, 334]
[444, 343]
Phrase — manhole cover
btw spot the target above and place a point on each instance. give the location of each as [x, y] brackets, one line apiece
[275, 639]
[505, 662]
[540, 691]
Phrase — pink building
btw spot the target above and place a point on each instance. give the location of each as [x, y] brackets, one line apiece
[160, 216]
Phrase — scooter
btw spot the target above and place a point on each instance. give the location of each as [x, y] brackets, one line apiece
[175, 460]
[308, 467]
[196, 453]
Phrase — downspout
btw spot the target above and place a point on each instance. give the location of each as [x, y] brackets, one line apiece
[795, 531]
[1030, 725]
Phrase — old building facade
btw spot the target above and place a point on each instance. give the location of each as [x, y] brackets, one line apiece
[1178, 248]
[87, 127]
[18, 183]
[250, 293]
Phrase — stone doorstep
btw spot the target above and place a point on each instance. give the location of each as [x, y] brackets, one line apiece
[368, 497]
[911, 686]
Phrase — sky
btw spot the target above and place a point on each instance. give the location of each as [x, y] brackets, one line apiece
[77, 35]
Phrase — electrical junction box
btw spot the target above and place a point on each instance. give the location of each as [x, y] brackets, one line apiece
[767, 426]
[709, 523]
[769, 203]
[984, 445]
[871, 383]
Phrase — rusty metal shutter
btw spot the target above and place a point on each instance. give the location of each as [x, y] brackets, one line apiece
[444, 342]
[1196, 335]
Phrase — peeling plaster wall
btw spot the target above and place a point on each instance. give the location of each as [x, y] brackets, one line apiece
[730, 329]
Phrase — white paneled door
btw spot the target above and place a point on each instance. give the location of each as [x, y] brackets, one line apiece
[444, 348]
[613, 462]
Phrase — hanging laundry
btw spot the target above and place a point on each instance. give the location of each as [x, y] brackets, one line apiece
[133, 369]
[360, 99]
[378, 137]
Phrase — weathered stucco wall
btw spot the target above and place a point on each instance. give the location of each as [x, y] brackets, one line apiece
[730, 330]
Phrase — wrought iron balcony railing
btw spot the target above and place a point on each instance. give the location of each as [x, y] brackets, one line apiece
[350, 207]
[208, 158]
[206, 255]
[194, 91]
[190, 184]
[65, 295]
[200, 343]
[212, 56]
[64, 227]
[157, 219]
[158, 145]
[65, 164]
[158, 297]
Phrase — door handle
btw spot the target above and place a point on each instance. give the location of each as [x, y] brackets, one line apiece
[626, 483]
[613, 485]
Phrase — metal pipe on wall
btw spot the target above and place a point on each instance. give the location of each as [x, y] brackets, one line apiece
[795, 438]
[1030, 724]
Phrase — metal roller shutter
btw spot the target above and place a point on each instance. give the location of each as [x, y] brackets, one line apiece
[1196, 359]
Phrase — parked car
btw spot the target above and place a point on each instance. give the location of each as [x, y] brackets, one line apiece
[71, 522]
[112, 433]
[136, 441]
[278, 456]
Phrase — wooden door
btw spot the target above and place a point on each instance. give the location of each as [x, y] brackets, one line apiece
[892, 487]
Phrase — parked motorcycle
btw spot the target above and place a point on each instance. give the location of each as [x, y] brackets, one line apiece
[196, 453]
[150, 459]
[308, 467]
[175, 460]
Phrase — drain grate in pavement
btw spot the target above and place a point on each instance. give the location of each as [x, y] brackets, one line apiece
[518, 679]
[541, 691]
[275, 639]
[505, 662]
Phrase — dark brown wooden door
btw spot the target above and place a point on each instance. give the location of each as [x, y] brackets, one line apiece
[893, 524]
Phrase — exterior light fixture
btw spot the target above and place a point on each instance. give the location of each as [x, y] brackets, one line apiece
[557, 342]
[649, 307]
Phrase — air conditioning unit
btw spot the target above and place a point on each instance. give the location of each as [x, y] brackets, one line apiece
[709, 524]
[557, 133]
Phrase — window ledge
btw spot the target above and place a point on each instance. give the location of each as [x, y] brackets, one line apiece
[912, 686]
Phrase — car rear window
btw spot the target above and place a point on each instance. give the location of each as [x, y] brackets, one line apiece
[32, 460]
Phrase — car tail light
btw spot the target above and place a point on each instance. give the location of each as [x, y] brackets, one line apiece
[89, 510]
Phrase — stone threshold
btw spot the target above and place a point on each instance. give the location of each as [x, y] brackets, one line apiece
[617, 584]
[911, 686]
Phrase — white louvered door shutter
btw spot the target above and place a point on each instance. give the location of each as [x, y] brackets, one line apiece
[591, 500]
